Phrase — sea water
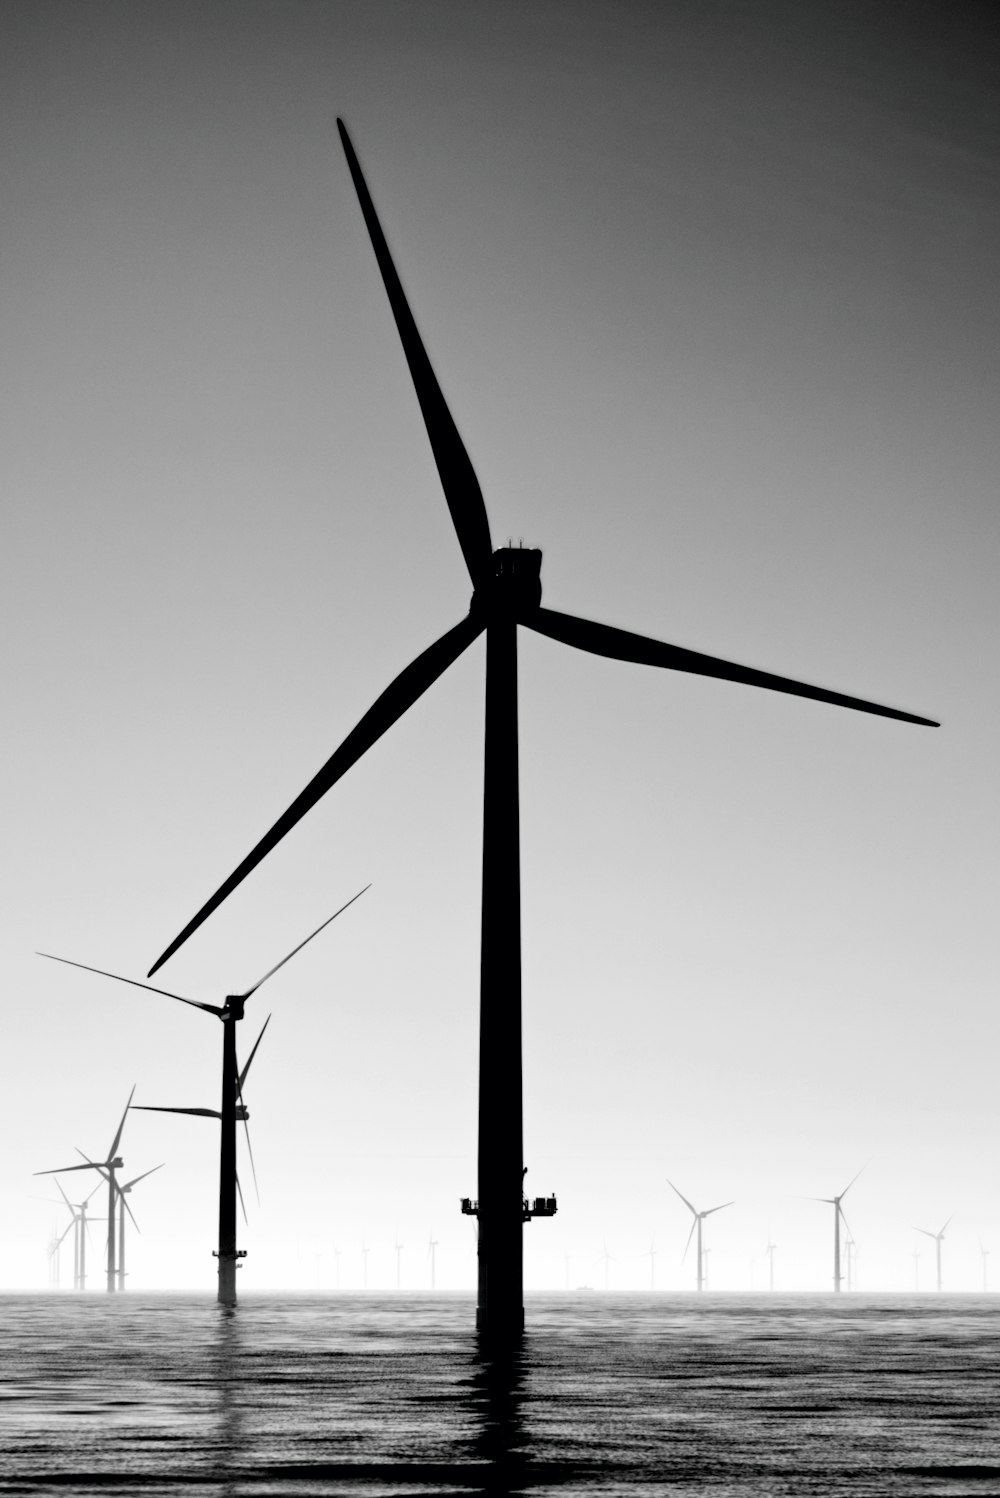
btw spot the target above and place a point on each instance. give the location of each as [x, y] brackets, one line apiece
[365, 1395]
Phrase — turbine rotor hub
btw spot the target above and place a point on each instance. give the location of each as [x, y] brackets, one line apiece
[514, 587]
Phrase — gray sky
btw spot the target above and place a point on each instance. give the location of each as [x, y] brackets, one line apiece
[711, 290]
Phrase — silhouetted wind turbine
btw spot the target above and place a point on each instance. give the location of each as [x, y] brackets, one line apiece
[431, 1246]
[769, 1251]
[123, 1207]
[110, 1165]
[506, 593]
[699, 1218]
[838, 1216]
[938, 1240]
[231, 1109]
[606, 1259]
[984, 1254]
[398, 1250]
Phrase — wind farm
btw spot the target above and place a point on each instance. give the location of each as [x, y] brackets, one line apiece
[680, 322]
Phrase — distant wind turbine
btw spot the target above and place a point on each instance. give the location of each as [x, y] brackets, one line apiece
[431, 1247]
[123, 1207]
[107, 1168]
[915, 1256]
[78, 1212]
[769, 1251]
[230, 1014]
[398, 1249]
[506, 592]
[838, 1217]
[698, 1219]
[365, 1251]
[336, 1257]
[984, 1254]
[605, 1258]
[650, 1254]
[938, 1240]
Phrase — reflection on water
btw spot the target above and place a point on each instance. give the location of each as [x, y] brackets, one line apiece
[496, 1392]
[629, 1394]
[228, 1363]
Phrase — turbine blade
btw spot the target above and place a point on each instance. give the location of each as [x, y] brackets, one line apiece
[239, 1192]
[925, 1232]
[243, 1074]
[72, 1225]
[117, 1139]
[843, 1218]
[681, 1195]
[401, 694]
[136, 1179]
[622, 645]
[941, 1234]
[458, 478]
[195, 1112]
[271, 972]
[211, 1008]
[62, 1170]
[853, 1179]
[129, 1210]
[717, 1209]
[239, 1094]
[63, 1194]
[694, 1224]
[100, 1168]
[86, 1199]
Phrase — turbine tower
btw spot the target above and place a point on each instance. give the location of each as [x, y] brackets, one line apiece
[431, 1247]
[838, 1217]
[398, 1250]
[107, 1169]
[769, 1251]
[231, 1110]
[698, 1219]
[506, 593]
[984, 1254]
[938, 1240]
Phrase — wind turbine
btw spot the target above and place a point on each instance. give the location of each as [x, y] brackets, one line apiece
[78, 1214]
[938, 1240]
[398, 1250]
[231, 1109]
[336, 1258]
[605, 1258]
[699, 1218]
[838, 1216]
[650, 1254]
[107, 1169]
[506, 592]
[123, 1207]
[915, 1256]
[432, 1245]
[984, 1254]
[769, 1251]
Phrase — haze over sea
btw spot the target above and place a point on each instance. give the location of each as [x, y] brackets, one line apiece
[359, 1394]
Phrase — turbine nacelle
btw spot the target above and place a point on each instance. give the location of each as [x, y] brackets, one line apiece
[233, 1007]
[513, 587]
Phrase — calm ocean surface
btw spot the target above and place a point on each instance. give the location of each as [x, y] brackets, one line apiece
[630, 1394]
